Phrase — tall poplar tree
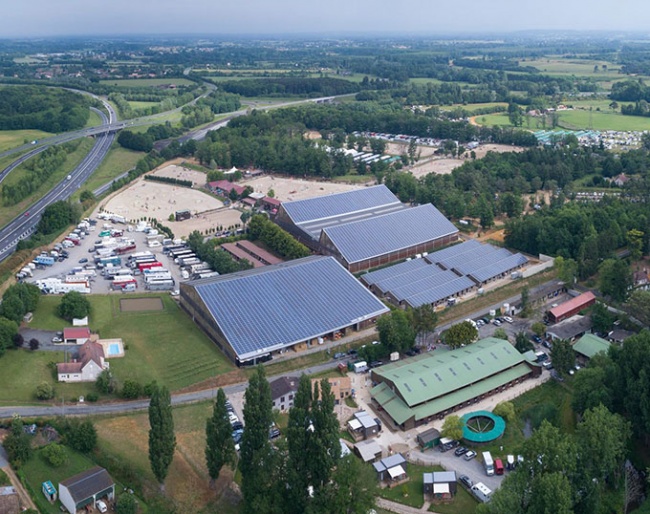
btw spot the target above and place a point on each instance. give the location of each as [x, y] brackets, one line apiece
[220, 447]
[162, 440]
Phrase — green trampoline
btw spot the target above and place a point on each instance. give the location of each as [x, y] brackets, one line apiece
[482, 426]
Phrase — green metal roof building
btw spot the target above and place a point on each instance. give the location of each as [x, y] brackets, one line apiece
[414, 391]
[589, 345]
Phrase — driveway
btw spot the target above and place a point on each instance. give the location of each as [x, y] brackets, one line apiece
[45, 338]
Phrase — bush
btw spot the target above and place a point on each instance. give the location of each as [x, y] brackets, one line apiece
[73, 305]
[79, 435]
[44, 391]
[34, 344]
[55, 454]
[131, 389]
[92, 397]
[126, 504]
[105, 382]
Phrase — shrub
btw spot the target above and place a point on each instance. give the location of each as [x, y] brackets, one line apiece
[34, 344]
[131, 389]
[92, 397]
[44, 391]
[55, 454]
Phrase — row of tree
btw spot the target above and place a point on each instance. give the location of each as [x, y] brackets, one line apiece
[218, 259]
[169, 180]
[275, 238]
[290, 86]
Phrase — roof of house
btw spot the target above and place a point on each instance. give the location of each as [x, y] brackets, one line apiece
[9, 500]
[366, 420]
[368, 449]
[360, 240]
[434, 374]
[389, 462]
[270, 308]
[443, 476]
[240, 253]
[271, 201]
[76, 333]
[226, 185]
[252, 248]
[283, 386]
[570, 327]
[89, 351]
[590, 344]
[88, 483]
[575, 303]
[337, 204]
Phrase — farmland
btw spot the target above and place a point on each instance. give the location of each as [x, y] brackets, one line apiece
[147, 82]
[13, 138]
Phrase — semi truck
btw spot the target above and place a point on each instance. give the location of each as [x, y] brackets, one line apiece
[208, 274]
[140, 254]
[105, 261]
[152, 277]
[120, 250]
[488, 463]
[148, 265]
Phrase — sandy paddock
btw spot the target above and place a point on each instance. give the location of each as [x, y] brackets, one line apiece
[180, 172]
[287, 189]
[154, 199]
[402, 148]
[140, 304]
[207, 220]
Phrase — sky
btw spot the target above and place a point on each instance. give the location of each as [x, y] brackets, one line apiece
[39, 18]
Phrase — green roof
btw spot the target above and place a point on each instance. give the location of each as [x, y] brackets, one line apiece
[400, 412]
[434, 375]
[590, 344]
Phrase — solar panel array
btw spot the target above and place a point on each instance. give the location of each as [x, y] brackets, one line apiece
[277, 306]
[495, 269]
[441, 292]
[451, 251]
[328, 206]
[393, 271]
[481, 261]
[361, 240]
[436, 278]
[416, 275]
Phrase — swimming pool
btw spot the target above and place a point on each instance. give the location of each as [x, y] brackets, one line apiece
[114, 349]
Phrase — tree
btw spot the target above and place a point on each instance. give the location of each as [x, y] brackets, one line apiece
[538, 328]
[13, 308]
[460, 334]
[525, 303]
[522, 343]
[500, 333]
[567, 269]
[485, 213]
[562, 356]
[512, 205]
[17, 444]
[55, 454]
[452, 427]
[80, 435]
[590, 389]
[44, 391]
[220, 447]
[602, 439]
[423, 320]
[506, 410]
[395, 331]
[634, 239]
[245, 216]
[257, 459]
[105, 382]
[601, 318]
[515, 115]
[126, 504]
[73, 305]
[131, 389]
[34, 344]
[162, 440]
[270, 193]
[615, 279]
[19, 340]
[638, 305]
[8, 330]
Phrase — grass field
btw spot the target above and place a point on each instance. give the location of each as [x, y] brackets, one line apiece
[147, 82]
[602, 120]
[12, 138]
[473, 107]
[93, 120]
[463, 503]
[580, 67]
[116, 162]
[490, 120]
[141, 105]
[163, 345]
[7, 213]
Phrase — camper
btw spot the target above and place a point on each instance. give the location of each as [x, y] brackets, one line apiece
[360, 367]
[488, 463]
[510, 462]
[482, 492]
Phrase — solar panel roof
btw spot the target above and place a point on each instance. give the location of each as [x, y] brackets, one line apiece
[481, 261]
[408, 278]
[432, 281]
[393, 271]
[492, 270]
[276, 306]
[361, 240]
[481, 252]
[444, 290]
[451, 251]
[328, 206]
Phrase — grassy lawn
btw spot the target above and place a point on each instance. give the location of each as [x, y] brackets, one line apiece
[463, 503]
[8, 213]
[551, 401]
[13, 138]
[490, 120]
[93, 120]
[602, 120]
[141, 105]
[147, 82]
[473, 107]
[116, 162]
[414, 488]
[161, 345]
[558, 66]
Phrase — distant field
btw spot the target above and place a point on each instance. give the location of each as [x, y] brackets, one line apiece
[13, 138]
[165, 346]
[489, 120]
[554, 65]
[147, 82]
[116, 162]
[473, 107]
[93, 120]
[141, 105]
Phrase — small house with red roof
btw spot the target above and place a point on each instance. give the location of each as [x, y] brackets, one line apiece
[572, 307]
[223, 187]
[76, 335]
[85, 367]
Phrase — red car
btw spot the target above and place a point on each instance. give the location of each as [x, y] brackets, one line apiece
[27, 213]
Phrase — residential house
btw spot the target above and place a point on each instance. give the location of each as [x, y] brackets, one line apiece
[363, 426]
[76, 335]
[86, 367]
[440, 485]
[589, 345]
[618, 335]
[620, 180]
[84, 489]
[283, 391]
[391, 469]
[341, 388]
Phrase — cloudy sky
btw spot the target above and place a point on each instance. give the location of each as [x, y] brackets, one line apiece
[30, 18]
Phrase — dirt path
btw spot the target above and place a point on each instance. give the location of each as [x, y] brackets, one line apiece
[25, 499]
[401, 509]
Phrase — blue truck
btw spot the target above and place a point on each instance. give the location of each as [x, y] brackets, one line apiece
[44, 260]
[105, 261]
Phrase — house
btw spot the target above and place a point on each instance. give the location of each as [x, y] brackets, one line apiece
[440, 485]
[283, 391]
[618, 335]
[86, 488]
[572, 307]
[9, 500]
[86, 367]
[368, 451]
[391, 469]
[224, 187]
[428, 439]
[270, 204]
[341, 388]
[620, 180]
[49, 491]
[76, 335]
[363, 426]
[570, 328]
[589, 345]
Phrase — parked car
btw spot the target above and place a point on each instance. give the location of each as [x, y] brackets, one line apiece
[460, 451]
[508, 319]
[375, 364]
[470, 455]
[339, 355]
[83, 261]
[101, 506]
[57, 339]
[546, 344]
[466, 481]
[496, 323]
[237, 425]
[274, 433]
[353, 353]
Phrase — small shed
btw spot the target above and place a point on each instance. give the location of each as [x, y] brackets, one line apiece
[440, 484]
[49, 491]
[428, 439]
[393, 468]
[183, 215]
[363, 426]
[368, 451]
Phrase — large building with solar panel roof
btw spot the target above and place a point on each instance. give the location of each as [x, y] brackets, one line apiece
[254, 314]
[440, 276]
[367, 227]
[431, 385]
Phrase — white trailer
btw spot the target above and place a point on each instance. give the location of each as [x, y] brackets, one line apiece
[160, 285]
[488, 463]
[482, 492]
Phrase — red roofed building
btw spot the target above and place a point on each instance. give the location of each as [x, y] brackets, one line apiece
[76, 335]
[223, 187]
[86, 368]
[270, 204]
[572, 307]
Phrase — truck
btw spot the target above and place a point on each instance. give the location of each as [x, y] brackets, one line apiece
[152, 277]
[105, 233]
[208, 274]
[189, 261]
[116, 218]
[44, 260]
[105, 261]
[148, 265]
[140, 254]
[174, 248]
[482, 492]
[498, 466]
[488, 463]
[196, 268]
[142, 260]
[120, 250]
[160, 285]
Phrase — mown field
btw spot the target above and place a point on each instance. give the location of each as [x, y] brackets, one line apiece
[12, 138]
[141, 105]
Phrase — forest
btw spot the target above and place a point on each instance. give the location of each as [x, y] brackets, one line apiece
[290, 86]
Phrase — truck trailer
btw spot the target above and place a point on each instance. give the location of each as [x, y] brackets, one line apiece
[488, 463]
